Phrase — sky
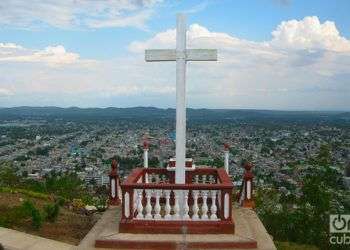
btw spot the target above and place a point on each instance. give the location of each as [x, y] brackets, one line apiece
[272, 54]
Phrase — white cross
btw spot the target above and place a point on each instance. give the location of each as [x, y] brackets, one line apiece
[181, 55]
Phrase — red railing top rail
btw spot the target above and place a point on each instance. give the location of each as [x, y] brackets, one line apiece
[134, 176]
[220, 173]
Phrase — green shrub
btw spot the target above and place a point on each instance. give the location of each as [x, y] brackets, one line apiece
[8, 176]
[87, 199]
[11, 216]
[5, 190]
[37, 219]
[29, 210]
[60, 201]
[51, 212]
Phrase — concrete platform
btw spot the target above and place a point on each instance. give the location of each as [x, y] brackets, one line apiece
[250, 234]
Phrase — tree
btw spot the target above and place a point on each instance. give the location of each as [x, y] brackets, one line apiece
[323, 157]
[68, 185]
[154, 161]
[347, 169]
[8, 176]
[303, 215]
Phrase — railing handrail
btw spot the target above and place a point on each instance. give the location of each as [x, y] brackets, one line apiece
[223, 176]
[137, 173]
[192, 186]
[133, 176]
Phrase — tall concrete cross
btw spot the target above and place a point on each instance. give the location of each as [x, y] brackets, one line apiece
[181, 55]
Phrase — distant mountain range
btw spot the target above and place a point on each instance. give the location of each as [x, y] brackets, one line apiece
[151, 113]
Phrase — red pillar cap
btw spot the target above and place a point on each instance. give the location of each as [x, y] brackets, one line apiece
[248, 166]
[114, 167]
[114, 164]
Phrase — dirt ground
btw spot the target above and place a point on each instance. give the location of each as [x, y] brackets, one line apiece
[70, 227]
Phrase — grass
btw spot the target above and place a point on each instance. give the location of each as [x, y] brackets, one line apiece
[29, 193]
[293, 246]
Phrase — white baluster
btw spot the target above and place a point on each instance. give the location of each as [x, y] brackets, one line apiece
[167, 205]
[148, 205]
[219, 198]
[213, 208]
[249, 190]
[204, 205]
[135, 200]
[211, 179]
[127, 204]
[204, 178]
[195, 207]
[196, 178]
[186, 207]
[226, 206]
[157, 178]
[176, 209]
[157, 215]
[139, 205]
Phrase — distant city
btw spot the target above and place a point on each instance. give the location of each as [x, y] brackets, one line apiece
[301, 164]
[41, 140]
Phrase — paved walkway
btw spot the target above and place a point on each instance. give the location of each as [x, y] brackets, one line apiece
[15, 240]
[110, 219]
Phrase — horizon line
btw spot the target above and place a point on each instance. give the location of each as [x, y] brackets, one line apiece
[165, 108]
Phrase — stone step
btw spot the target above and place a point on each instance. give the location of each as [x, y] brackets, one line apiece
[175, 241]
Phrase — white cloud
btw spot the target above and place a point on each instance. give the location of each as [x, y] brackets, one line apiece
[10, 46]
[76, 13]
[303, 57]
[309, 33]
[280, 73]
[51, 55]
[5, 92]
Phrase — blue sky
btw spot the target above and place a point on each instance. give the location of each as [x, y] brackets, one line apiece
[274, 54]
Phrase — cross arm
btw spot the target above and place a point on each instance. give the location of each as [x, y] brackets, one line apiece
[201, 55]
[156, 55]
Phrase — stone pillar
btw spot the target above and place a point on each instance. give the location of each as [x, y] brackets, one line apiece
[145, 154]
[248, 200]
[114, 185]
[226, 165]
[145, 158]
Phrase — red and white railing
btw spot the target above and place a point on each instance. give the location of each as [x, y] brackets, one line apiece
[205, 197]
